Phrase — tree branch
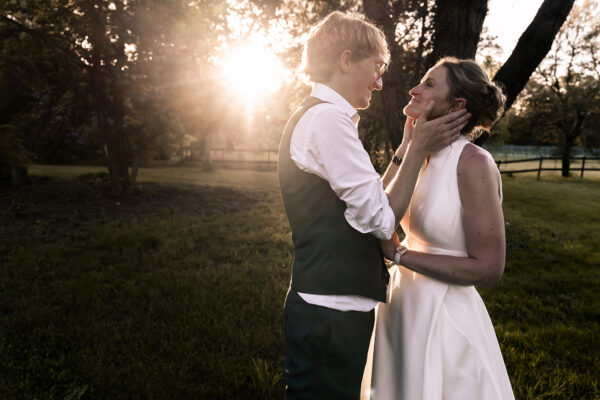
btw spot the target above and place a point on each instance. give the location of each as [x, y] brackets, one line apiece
[532, 47]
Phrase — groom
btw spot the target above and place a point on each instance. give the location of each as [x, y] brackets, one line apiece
[338, 210]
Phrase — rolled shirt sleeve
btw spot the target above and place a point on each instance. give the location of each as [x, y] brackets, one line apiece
[342, 160]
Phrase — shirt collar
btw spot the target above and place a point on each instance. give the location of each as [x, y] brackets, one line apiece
[324, 92]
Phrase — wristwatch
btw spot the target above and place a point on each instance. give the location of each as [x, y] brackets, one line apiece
[400, 251]
[397, 160]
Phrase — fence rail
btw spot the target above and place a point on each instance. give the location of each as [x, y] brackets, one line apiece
[541, 168]
[268, 158]
[246, 158]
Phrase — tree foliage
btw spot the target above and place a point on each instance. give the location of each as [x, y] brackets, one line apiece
[561, 106]
[129, 80]
[111, 69]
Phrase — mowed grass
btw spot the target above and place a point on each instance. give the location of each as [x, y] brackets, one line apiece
[176, 291]
[546, 309]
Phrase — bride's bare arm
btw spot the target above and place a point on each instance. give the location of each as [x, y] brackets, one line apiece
[484, 228]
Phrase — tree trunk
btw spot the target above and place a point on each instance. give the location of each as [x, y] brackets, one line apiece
[532, 47]
[116, 155]
[379, 11]
[108, 104]
[570, 136]
[457, 26]
[566, 156]
[134, 168]
[121, 150]
[566, 161]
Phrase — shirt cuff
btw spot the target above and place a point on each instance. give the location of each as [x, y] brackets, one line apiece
[382, 231]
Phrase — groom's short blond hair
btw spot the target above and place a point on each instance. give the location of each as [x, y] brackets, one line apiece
[336, 33]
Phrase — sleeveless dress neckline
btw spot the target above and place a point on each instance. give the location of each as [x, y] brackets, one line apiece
[434, 340]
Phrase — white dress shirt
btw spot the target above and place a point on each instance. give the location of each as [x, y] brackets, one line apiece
[325, 142]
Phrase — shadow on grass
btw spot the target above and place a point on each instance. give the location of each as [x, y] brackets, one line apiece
[90, 198]
[163, 293]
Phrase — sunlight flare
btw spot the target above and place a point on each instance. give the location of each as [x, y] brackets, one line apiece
[251, 71]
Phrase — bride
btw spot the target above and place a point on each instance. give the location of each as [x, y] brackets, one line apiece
[434, 339]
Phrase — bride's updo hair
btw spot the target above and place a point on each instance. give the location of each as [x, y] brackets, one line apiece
[485, 101]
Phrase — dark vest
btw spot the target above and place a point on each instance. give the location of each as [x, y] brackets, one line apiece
[331, 257]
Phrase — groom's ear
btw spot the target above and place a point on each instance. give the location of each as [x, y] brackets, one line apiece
[458, 104]
[344, 61]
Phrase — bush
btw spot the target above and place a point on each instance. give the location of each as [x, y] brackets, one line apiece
[12, 151]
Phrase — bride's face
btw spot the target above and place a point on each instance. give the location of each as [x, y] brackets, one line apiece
[433, 87]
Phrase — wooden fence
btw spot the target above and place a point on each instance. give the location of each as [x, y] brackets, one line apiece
[262, 158]
[259, 157]
[541, 168]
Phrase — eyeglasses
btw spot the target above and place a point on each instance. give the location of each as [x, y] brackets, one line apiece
[381, 66]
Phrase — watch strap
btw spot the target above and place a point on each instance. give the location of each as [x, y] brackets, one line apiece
[400, 251]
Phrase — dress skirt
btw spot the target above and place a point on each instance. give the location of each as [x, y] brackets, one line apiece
[433, 341]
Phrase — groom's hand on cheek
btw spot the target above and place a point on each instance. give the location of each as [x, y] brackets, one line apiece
[433, 135]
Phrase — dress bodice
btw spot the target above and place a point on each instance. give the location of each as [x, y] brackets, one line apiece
[433, 222]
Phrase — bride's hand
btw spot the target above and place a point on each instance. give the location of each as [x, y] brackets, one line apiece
[388, 247]
[409, 128]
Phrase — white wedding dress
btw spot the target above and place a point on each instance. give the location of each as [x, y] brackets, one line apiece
[434, 340]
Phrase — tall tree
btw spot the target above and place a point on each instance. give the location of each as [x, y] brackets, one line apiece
[128, 55]
[532, 47]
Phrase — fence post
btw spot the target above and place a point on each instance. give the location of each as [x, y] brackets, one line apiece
[582, 167]
[540, 168]
[498, 164]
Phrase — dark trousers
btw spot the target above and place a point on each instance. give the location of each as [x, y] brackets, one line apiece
[326, 350]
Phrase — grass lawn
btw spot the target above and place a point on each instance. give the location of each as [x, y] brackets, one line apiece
[176, 291]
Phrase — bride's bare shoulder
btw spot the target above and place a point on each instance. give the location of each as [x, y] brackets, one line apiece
[474, 156]
[475, 162]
